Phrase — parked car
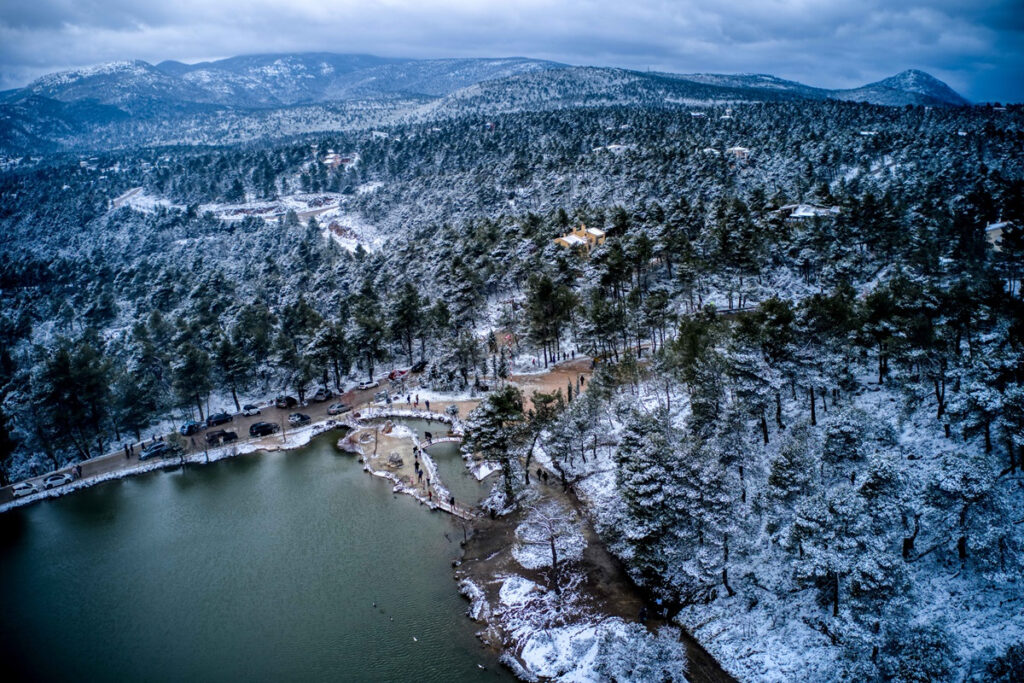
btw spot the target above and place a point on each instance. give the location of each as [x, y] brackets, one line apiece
[58, 479]
[262, 428]
[322, 394]
[218, 419]
[191, 427]
[420, 366]
[249, 409]
[298, 419]
[380, 397]
[213, 436]
[338, 408]
[217, 435]
[397, 374]
[157, 449]
[368, 385]
[285, 402]
[24, 488]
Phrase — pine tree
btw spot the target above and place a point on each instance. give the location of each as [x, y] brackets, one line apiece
[495, 429]
[645, 477]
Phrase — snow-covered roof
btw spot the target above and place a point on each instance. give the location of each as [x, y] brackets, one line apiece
[573, 240]
[595, 232]
[809, 210]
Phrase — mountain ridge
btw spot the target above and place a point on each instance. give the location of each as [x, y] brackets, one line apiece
[295, 78]
[65, 108]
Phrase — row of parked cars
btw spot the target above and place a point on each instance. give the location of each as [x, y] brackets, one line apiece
[215, 437]
[216, 419]
[27, 488]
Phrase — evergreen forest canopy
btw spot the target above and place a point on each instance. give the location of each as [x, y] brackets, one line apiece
[813, 422]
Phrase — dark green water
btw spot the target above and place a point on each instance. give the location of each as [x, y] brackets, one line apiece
[260, 568]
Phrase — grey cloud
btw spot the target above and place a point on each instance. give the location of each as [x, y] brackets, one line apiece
[975, 46]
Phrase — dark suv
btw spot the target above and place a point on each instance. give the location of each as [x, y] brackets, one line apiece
[218, 419]
[220, 435]
[298, 419]
[191, 427]
[263, 429]
[285, 402]
[159, 449]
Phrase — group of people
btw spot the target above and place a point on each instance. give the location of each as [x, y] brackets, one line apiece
[421, 473]
[415, 401]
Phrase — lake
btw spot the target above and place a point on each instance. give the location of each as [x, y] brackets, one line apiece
[262, 567]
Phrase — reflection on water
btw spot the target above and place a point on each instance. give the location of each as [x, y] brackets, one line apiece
[261, 567]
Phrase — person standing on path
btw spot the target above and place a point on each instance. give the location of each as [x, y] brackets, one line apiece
[127, 453]
[427, 404]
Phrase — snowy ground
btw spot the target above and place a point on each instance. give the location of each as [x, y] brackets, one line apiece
[563, 635]
[772, 631]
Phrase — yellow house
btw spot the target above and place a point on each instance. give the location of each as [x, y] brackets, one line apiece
[582, 236]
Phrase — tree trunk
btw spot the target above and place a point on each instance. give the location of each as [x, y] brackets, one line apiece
[725, 567]
[908, 541]
[835, 597]
[961, 543]
[881, 362]
[234, 395]
[554, 565]
[814, 417]
[764, 428]
[778, 411]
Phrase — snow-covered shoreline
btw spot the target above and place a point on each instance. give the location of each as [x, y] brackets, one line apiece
[296, 438]
[442, 494]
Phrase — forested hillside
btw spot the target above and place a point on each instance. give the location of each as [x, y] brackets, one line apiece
[805, 431]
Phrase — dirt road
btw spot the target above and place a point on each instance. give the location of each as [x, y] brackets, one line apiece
[555, 378]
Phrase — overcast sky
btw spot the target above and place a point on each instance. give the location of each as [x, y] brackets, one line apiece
[977, 46]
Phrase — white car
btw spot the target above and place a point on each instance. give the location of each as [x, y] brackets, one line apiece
[24, 488]
[249, 409]
[338, 408]
[59, 479]
[368, 385]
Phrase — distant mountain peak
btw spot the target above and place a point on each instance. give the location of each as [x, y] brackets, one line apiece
[921, 83]
[120, 67]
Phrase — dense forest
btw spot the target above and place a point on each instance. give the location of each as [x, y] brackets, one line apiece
[806, 428]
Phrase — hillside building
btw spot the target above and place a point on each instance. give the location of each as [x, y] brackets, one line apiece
[582, 237]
